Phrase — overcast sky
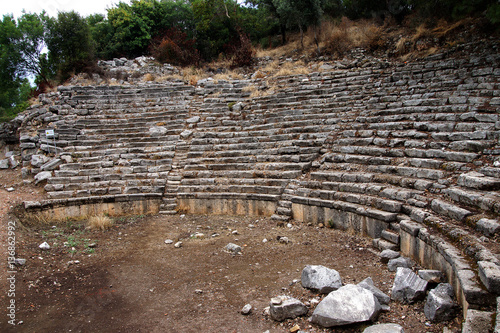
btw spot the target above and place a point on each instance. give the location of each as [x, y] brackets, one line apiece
[52, 7]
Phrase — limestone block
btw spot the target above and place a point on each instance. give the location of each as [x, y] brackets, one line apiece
[408, 287]
[320, 278]
[440, 305]
[489, 273]
[347, 305]
[285, 307]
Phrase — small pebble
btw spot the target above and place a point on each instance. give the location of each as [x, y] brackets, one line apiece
[44, 246]
[247, 309]
[178, 245]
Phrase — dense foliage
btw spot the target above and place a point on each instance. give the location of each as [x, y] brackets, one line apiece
[184, 32]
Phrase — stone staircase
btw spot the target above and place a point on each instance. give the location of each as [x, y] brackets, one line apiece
[390, 153]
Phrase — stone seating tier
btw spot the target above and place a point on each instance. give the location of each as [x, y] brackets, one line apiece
[407, 154]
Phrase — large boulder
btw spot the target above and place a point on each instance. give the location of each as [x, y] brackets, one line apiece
[285, 307]
[347, 305]
[440, 305]
[368, 284]
[320, 278]
[408, 287]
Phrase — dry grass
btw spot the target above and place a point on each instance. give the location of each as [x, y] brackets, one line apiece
[101, 222]
[292, 68]
[148, 77]
[341, 37]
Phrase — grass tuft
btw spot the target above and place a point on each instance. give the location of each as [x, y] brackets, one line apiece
[101, 222]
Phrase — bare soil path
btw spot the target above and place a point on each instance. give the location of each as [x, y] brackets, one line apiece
[132, 281]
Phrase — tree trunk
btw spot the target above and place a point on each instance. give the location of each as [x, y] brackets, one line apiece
[316, 39]
[301, 36]
[283, 34]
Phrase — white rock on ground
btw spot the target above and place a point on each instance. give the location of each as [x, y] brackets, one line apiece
[320, 278]
[44, 246]
[233, 248]
[348, 305]
[285, 307]
[246, 310]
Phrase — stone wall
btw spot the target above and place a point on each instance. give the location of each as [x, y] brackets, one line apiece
[405, 153]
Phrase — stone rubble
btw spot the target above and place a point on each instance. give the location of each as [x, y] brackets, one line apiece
[408, 287]
[348, 305]
[285, 307]
[320, 278]
[440, 305]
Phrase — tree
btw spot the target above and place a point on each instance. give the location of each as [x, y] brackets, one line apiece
[133, 26]
[300, 13]
[31, 45]
[215, 25]
[70, 44]
[14, 90]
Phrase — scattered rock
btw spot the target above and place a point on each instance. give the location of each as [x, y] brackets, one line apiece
[178, 245]
[387, 255]
[368, 284]
[156, 131]
[233, 249]
[186, 134]
[384, 328]
[440, 305]
[11, 189]
[408, 287]
[51, 165]
[393, 264]
[169, 241]
[4, 164]
[67, 158]
[38, 160]
[320, 278]
[283, 240]
[198, 235]
[247, 309]
[238, 107]
[44, 246]
[13, 162]
[44, 175]
[294, 329]
[193, 120]
[347, 305]
[198, 291]
[287, 308]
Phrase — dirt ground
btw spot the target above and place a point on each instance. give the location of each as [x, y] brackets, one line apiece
[127, 279]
